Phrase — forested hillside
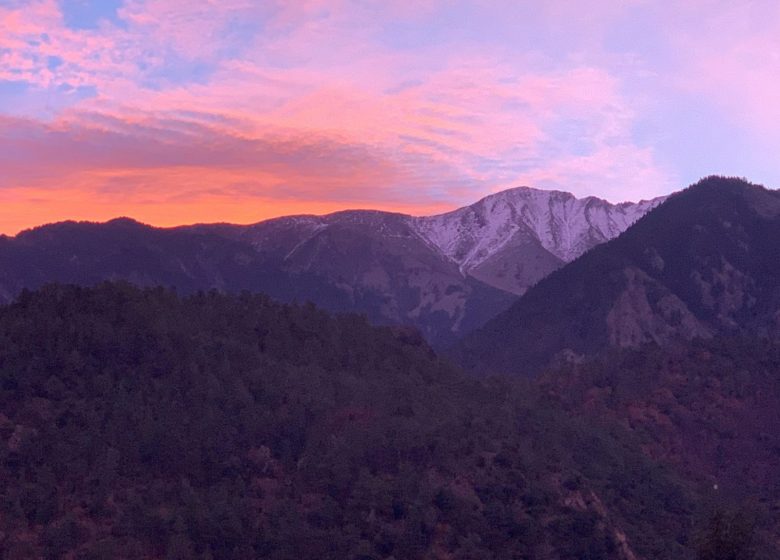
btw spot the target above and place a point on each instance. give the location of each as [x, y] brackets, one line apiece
[708, 408]
[138, 424]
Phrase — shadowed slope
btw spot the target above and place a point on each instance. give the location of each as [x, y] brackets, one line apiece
[706, 261]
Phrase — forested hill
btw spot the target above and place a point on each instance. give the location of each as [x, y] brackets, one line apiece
[138, 424]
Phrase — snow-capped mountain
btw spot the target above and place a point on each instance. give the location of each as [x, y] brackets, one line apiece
[509, 240]
[446, 275]
[384, 266]
[514, 238]
[704, 264]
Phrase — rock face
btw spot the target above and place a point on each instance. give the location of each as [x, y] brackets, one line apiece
[645, 311]
[705, 262]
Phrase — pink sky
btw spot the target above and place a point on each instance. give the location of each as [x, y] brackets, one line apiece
[177, 112]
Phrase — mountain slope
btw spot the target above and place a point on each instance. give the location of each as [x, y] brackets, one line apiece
[707, 261]
[88, 253]
[371, 263]
[394, 268]
[384, 266]
[138, 424]
[706, 408]
[515, 238]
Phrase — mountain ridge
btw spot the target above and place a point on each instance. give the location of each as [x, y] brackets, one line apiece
[706, 262]
[455, 239]
[550, 226]
[392, 267]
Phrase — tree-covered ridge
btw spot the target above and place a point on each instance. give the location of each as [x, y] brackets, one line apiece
[709, 408]
[138, 424]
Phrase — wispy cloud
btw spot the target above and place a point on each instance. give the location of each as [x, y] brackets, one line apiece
[320, 104]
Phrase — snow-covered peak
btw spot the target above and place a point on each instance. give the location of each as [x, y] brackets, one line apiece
[564, 225]
[508, 240]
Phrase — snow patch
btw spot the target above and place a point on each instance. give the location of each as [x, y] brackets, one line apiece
[564, 225]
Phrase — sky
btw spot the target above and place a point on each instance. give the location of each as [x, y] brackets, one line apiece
[175, 112]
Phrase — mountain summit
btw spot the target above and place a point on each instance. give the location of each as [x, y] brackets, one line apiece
[509, 240]
[514, 238]
[704, 263]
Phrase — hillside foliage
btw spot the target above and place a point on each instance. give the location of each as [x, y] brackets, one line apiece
[139, 424]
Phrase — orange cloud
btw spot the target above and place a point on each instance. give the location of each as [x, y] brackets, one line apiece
[27, 207]
[312, 114]
[183, 172]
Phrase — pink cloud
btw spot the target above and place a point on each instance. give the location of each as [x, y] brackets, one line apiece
[179, 158]
[312, 108]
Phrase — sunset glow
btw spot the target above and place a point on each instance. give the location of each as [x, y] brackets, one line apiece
[177, 112]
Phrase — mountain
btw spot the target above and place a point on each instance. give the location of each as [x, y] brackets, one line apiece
[141, 424]
[385, 266]
[88, 253]
[513, 239]
[705, 262]
[371, 263]
[445, 275]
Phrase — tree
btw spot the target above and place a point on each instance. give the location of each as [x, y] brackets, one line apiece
[728, 536]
